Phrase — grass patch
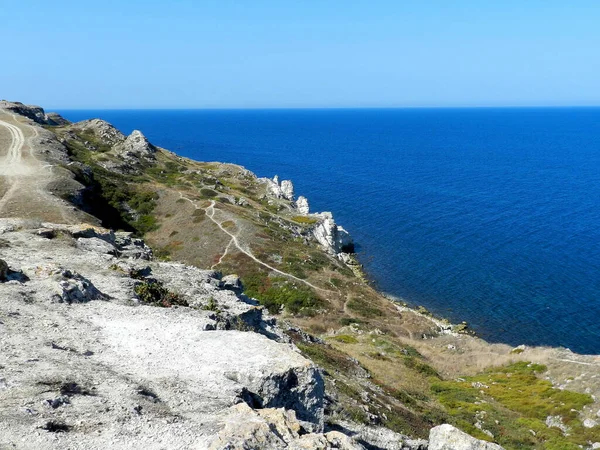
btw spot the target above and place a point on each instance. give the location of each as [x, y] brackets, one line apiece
[364, 309]
[275, 293]
[512, 402]
[304, 220]
[345, 339]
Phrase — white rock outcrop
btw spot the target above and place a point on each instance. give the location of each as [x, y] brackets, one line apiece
[333, 238]
[287, 190]
[447, 437]
[274, 429]
[302, 205]
[281, 190]
[102, 129]
[136, 146]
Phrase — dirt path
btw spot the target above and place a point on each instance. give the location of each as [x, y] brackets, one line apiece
[24, 178]
[210, 213]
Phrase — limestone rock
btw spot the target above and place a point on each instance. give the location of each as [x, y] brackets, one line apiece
[302, 205]
[103, 131]
[281, 190]
[557, 422]
[136, 146]
[71, 287]
[287, 190]
[232, 283]
[3, 270]
[157, 376]
[96, 245]
[447, 437]
[380, 437]
[275, 429]
[130, 247]
[334, 238]
[56, 119]
[35, 113]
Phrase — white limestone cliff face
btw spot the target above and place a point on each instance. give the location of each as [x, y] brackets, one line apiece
[302, 205]
[280, 190]
[287, 190]
[332, 237]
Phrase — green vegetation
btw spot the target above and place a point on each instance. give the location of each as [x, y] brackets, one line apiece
[152, 292]
[299, 265]
[364, 309]
[118, 200]
[345, 338]
[304, 220]
[277, 292]
[211, 305]
[345, 321]
[208, 193]
[513, 403]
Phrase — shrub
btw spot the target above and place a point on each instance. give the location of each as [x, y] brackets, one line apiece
[205, 192]
[152, 292]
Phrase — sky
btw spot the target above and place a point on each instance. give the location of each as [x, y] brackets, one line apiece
[66, 54]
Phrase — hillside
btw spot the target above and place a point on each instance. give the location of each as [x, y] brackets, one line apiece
[267, 308]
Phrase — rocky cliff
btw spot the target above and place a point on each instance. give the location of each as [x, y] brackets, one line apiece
[238, 321]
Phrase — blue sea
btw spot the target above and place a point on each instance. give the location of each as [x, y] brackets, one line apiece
[491, 216]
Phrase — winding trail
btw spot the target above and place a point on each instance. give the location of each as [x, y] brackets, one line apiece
[210, 213]
[25, 179]
[13, 157]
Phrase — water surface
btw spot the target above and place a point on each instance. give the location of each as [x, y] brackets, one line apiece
[484, 215]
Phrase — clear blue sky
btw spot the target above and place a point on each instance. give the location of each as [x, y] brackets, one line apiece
[299, 53]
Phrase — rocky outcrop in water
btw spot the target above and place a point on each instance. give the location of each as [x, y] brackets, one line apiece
[332, 237]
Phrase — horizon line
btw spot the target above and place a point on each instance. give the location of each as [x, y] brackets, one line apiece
[312, 108]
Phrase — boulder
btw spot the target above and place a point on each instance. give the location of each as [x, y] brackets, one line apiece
[96, 245]
[447, 437]
[72, 287]
[232, 283]
[273, 428]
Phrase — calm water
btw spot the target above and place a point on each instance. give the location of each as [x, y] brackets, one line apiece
[486, 215]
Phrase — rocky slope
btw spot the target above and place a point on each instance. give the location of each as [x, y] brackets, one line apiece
[263, 335]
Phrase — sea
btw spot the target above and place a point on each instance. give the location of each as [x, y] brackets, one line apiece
[484, 215]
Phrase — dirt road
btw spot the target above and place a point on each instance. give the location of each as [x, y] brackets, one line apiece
[25, 177]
